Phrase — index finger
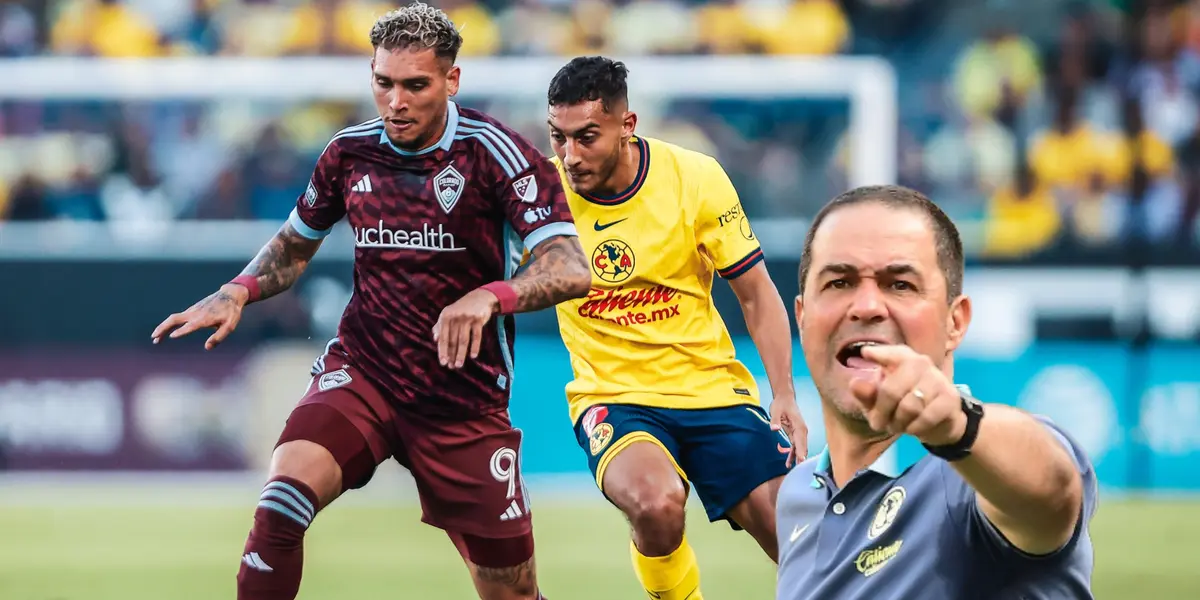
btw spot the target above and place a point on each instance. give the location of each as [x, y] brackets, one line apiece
[189, 327]
[887, 355]
[168, 324]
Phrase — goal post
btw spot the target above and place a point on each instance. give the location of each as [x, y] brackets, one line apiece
[868, 84]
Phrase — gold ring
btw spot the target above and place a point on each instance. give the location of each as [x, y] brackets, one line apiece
[919, 394]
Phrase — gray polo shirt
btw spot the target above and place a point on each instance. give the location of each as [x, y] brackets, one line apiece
[914, 530]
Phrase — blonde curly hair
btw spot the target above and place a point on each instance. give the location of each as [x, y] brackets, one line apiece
[417, 26]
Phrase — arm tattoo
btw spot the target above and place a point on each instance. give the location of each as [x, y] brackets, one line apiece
[281, 262]
[520, 576]
[556, 272]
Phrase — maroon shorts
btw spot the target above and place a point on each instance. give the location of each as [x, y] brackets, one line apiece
[468, 472]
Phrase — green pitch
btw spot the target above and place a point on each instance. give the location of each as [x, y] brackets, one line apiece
[1145, 550]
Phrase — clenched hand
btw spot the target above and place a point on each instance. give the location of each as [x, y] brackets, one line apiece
[459, 329]
[222, 310]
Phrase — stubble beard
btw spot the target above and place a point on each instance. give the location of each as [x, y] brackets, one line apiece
[845, 407]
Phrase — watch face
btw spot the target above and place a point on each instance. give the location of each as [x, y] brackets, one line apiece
[971, 403]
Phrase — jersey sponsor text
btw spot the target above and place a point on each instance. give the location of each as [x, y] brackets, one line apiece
[427, 238]
[869, 562]
[619, 305]
[731, 215]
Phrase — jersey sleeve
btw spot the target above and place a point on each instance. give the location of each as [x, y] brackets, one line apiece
[530, 191]
[323, 203]
[979, 532]
[722, 228]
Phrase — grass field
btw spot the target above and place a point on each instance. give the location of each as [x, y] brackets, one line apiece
[1144, 551]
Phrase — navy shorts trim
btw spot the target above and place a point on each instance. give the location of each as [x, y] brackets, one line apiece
[724, 453]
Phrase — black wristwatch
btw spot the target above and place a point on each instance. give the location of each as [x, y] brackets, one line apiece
[962, 448]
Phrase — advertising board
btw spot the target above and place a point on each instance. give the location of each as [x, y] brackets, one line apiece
[1136, 414]
[121, 411]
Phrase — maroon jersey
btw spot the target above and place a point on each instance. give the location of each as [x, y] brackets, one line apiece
[429, 227]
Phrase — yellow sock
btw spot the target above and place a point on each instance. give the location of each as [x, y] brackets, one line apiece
[675, 576]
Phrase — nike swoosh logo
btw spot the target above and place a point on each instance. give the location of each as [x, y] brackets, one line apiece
[797, 532]
[782, 449]
[599, 227]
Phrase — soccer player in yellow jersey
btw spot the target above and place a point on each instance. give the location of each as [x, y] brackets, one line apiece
[659, 401]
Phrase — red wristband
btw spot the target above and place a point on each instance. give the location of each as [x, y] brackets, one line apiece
[249, 282]
[505, 294]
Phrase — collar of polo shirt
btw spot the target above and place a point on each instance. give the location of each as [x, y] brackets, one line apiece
[891, 464]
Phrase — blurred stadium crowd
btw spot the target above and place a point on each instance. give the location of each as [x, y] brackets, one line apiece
[1080, 133]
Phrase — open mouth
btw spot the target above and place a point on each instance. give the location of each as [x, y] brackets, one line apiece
[851, 355]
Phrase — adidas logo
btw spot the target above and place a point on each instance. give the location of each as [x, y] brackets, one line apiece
[363, 185]
[254, 561]
[513, 512]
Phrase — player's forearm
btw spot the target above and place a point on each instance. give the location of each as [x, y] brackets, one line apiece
[281, 261]
[769, 327]
[1028, 483]
[557, 272]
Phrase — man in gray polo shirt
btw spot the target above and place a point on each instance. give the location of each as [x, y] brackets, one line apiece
[993, 503]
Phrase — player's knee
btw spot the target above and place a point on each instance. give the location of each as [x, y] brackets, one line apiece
[311, 464]
[657, 513]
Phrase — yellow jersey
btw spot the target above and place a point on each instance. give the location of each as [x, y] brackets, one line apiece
[648, 332]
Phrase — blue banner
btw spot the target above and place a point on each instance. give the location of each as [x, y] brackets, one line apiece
[1137, 414]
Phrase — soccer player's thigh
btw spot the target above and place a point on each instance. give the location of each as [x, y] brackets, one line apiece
[736, 463]
[337, 434]
[468, 475]
[631, 452]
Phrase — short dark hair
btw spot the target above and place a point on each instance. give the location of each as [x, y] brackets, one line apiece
[945, 233]
[417, 26]
[589, 78]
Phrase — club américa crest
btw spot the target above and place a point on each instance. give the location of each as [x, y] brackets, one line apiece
[599, 433]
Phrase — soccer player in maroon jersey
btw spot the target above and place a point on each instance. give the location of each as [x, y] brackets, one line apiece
[443, 200]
